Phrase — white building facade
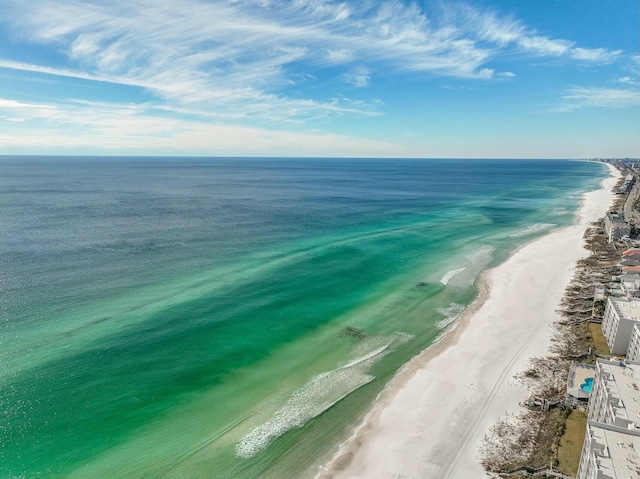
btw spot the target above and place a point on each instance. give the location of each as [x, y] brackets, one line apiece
[611, 447]
[620, 315]
[615, 394]
[609, 452]
[615, 226]
[633, 353]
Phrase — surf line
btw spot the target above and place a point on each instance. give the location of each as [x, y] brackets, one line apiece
[319, 394]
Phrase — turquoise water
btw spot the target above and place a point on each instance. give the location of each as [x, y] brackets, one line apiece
[235, 317]
[587, 385]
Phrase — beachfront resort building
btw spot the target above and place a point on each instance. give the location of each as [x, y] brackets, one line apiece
[609, 452]
[633, 354]
[612, 442]
[615, 394]
[620, 315]
[630, 284]
[626, 283]
[600, 293]
[615, 226]
[629, 180]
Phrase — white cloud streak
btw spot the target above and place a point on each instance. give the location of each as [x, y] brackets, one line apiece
[117, 129]
[239, 62]
[176, 47]
[596, 97]
[359, 77]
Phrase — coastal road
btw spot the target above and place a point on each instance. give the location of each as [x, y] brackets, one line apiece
[630, 213]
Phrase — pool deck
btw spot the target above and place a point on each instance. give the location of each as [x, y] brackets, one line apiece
[578, 374]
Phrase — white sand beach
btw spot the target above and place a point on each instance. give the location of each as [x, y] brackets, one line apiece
[430, 420]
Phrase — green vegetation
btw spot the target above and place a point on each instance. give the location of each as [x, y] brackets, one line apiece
[599, 343]
[571, 443]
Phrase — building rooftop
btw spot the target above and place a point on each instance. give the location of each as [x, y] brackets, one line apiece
[615, 217]
[619, 455]
[627, 308]
[624, 385]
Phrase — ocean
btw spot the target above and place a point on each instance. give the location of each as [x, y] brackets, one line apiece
[231, 317]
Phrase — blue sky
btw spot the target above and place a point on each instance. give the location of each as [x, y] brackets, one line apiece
[499, 79]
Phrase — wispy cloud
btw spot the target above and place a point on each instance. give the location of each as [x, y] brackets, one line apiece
[117, 129]
[506, 32]
[596, 97]
[342, 55]
[359, 77]
[599, 55]
[189, 50]
[241, 62]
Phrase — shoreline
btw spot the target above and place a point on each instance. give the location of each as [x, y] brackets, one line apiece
[430, 418]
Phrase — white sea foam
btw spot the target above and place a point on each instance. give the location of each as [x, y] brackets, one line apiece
[451, 313]
[481, 256]
[450, 275]
[366, 357]
[401, 338]
[532, 229]
[316, 396]
[475, 262]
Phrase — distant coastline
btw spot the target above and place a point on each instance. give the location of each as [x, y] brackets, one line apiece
[430, 419]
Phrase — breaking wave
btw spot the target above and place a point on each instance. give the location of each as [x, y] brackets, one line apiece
[450, 275]
[316, 396]
[451, 313]
[532, 229]
[475, 262]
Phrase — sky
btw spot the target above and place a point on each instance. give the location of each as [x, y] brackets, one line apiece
[350, 78]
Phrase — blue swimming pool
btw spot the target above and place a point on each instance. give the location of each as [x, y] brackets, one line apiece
[587, 385]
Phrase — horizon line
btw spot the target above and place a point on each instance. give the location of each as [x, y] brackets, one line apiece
[598, 158]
